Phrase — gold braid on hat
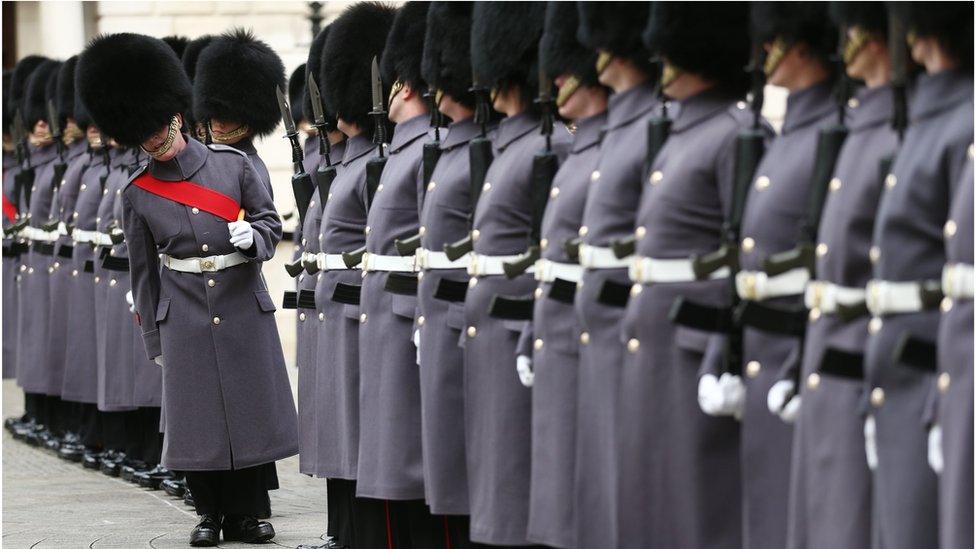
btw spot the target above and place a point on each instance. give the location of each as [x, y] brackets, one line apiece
[231, 136]
[174, 128]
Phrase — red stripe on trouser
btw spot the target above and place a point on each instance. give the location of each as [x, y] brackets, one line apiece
[389, 527]
[447, 534]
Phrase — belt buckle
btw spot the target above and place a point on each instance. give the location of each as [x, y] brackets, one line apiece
[749, 281]
[818, 294]
[949, 283]
[873, 297]
[207, 265]
[420, 260]
[320, 261]
[474, 265]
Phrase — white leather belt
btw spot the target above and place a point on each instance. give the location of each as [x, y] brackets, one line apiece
[38, 235]
[758, 286]
[647, 270]
[429, 259]
[388, 263]
[547, 271]
[594, 257]
[102, 239]
[62, 229]
[957, 281]
[81, 236]
[492, 265]
[885, 297]
[209, 264]
[826, 296]
[330, 262]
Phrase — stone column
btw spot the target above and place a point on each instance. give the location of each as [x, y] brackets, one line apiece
[62, 28]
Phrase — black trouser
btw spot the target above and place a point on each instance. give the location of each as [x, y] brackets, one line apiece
[114, 436]
[143, 441]
[365, 523]
[90, 425]
[238, 492]
[33, 406]
[457, 533]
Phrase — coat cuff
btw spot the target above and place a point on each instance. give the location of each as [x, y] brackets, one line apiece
[153, 347]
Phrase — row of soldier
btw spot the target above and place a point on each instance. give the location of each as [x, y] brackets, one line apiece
[643, 332]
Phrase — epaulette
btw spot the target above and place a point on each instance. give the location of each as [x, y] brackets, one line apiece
[136, 174]
[221, 148]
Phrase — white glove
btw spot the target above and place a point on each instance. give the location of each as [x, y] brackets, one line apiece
[128, 299]
[523, 365]
[733, 394]
[935, 449]
[722, 396]
[791, 409]
[241, 234]
[778, 394]
[158, 360]
[416, 343]
[871, 443]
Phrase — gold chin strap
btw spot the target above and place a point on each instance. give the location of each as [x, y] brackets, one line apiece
[669, 74]
[174, 128]
[569, 87]
[231, 136]
[95, 140]
[775, 56]
[438, 97]
[910, 38]
[856, 40]
[72, 133]
[603, 61]
[394, 90]
[200, 130]
[41, 139]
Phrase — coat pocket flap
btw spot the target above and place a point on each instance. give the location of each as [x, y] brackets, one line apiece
[515, 325]
[691, 340]
[264, 301]
[455, 316]
[162, 309]
[351, 312]
[405, 305]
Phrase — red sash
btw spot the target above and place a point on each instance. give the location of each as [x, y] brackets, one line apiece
[189, 193]
[9, 210]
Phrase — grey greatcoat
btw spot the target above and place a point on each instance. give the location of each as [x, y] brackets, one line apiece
[956, 380]
[226, 393]
[552, 340]
[770, 225]
[80, 382]
[310, 162]
[337, 356]
[390, 462]
[908, 246]
[60, 277]
[11, 262]
[608, 215]
[830, 485]
[444, 220]
[497, 407]
[33, 372]
[679, 483]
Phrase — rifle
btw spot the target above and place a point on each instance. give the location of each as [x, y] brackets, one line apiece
[301, 182]
[59, 169]
[25, 178]
[750, 145]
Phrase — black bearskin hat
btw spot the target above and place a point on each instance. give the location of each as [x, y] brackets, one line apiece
[65, 100]
[796, 22]
[405, 47]
[178, 43]
[446, 63]
[710, 39]
[505, 45]
[355, 38]
[236, 78]
[949, 22]
[615, 27]
[296, 93]
[132, 85]
[18, 82]
[314, 67]
[191, 54]
[560, 51]
[869, 16]
[35, 98]
[7, 113]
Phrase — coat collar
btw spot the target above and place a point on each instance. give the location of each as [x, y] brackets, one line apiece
[459, 133]
[514, 127]
[699, 108]
[872, 106]
[311, 144]
[409, 131]
[42, 155]
[627, 106]
[335, 153]
[588, 132]
[75, 149]
[356, 147]
[808, 105]
[935, 93]
[183, 165]
[246, 146]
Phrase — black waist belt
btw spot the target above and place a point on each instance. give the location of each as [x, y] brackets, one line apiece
[346, 293]
[8, 251]
[66, 251]
[916, 353]
[562, 291]
[289, 300]
[401, 283]
[103, 252]
[451, 290]
[510, 308]
[773, 319]
[43, 248]
[113, 263]
[614, 294]
[838, 363]
[306, 299]
[706, 318]
[848, 313]
[19, 247]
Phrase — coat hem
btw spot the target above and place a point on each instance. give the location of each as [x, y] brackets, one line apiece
[239, 463]
[393, 493]
[551, 539]
[488, 535]
[79, 398]
[441, 508]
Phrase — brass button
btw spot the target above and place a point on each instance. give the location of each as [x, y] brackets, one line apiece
[748, 244]
[211, 283]
[813, 381]
[472, 282]
[554, 192]
[741, 105]
[635, 290]
[84, 186]
[950, 229]
[583, 230]
[104, 192]
[113, 282]
[486, 187]
[762, 183]
[74, 272]
[50, 270]
[420, 276]
[891, 181]
[475, 235]
[877, 397]
[944, 382]
[97, 278]
[656, 177]
[431, 186]
[585, 338]
[874, 254]
[216, 320]
[329, 197]
[23, 268]
[814, 314]
[538, 293]
[633, 345]
[98, 220]
[205, 248]
[543, 244]
[853, 103]
[301, 277]
[301, 317]
[379, 188]
[821, 249]
[422, 231]
[472, 331]
[366, 230]
[640, 232]
[362, 318]
[195, 210]
[946, 304]
[874, 325]
[595, 175]
[835, 184]
[311, 203]
[321, 317]
[752, 368]
[537, 345]
[57, 265]
[304, 242]
[74, 215]
[421, 320]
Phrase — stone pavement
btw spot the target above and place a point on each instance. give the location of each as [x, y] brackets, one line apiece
[48, 502]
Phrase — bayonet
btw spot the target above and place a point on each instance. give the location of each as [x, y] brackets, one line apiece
[316, 99]
[374, 168]
[301, 182]
[324, 175]
[290, 129]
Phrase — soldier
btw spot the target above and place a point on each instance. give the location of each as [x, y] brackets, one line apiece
[233, 92]
[10, 256]
[667, 445]
[613, 30]
[908, 254]
[551, 344]
[497, 407]
[190, 57]
[444, 219]
[955, 381]
[798, 41]
[206, 320]
[830, 485]
[354, 39]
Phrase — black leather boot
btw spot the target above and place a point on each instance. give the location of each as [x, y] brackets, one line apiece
[207, 532]
[247, 529]
[152, 478]
[175, 487]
